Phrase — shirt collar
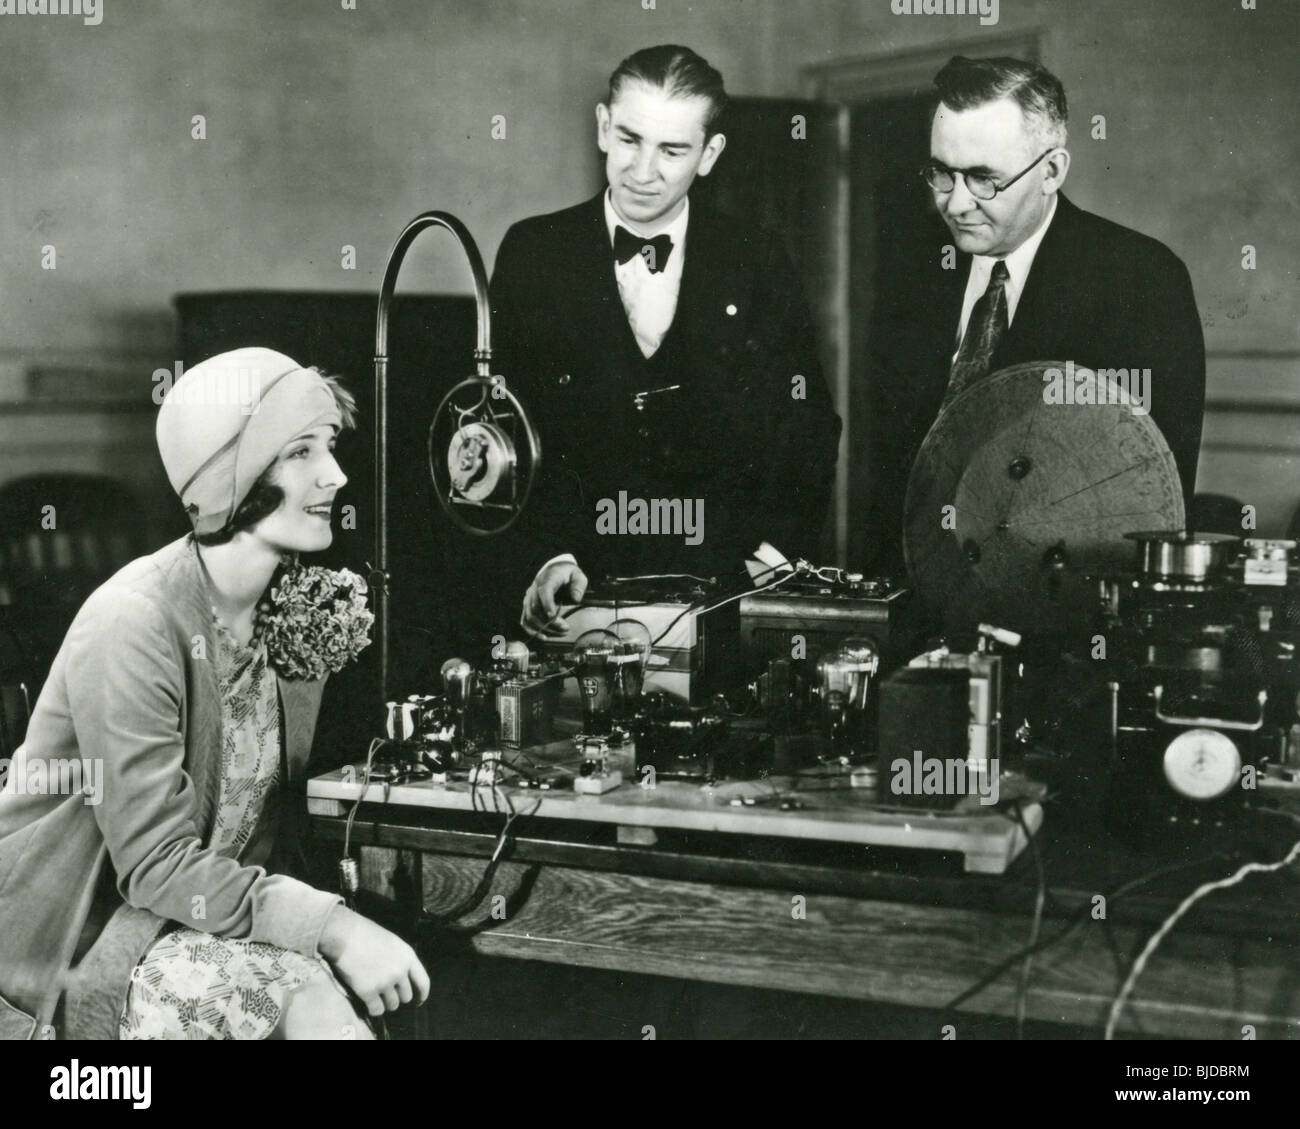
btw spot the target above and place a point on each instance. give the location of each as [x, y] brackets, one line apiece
[676, 230]
[1021, 259]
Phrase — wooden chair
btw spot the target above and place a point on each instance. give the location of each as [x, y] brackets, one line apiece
[18, 688]
[61, 536]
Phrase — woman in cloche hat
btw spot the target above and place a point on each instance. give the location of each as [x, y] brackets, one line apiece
[139, 892]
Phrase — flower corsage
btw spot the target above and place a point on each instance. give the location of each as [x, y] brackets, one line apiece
[314, 621]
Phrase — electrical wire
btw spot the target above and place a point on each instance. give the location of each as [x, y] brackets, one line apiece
[480, 890]
[375, 745]
[377, 1024]
[666, 576]
[514, 767]
[696, 609]
[798, 569]
[484, 884]
[1160, 934]
[479, 805]
[1022, 988]
[1082, 915]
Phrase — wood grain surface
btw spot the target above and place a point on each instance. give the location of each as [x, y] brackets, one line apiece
[1196, 986]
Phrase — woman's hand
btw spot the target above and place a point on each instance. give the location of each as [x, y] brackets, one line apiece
[378, 966]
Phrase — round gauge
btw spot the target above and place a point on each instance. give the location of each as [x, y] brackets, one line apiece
[1202, 764]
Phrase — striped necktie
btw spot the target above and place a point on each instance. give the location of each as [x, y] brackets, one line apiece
[988, 323]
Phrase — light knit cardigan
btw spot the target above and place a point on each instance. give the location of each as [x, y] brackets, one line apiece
[133, 689]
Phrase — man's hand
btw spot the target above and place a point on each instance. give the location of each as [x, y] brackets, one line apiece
[541, 615]
[378, 966]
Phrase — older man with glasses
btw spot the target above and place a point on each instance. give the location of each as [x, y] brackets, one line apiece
[1034, 278]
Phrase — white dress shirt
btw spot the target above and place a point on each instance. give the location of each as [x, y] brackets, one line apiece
[1018, 264]
[650, 300]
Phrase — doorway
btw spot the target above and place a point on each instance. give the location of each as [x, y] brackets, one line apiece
[885, 105]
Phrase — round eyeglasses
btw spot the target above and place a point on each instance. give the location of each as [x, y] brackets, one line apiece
[980, 185]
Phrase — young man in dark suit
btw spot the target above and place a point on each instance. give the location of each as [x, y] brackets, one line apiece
[668, 357]
[1035, 278]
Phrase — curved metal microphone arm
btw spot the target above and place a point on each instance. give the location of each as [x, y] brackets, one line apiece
[483, 351]
[482, 361]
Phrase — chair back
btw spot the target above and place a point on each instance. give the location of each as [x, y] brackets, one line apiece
[18, 688]
[61, 536]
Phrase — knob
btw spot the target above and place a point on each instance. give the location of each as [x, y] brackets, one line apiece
[1020, 466]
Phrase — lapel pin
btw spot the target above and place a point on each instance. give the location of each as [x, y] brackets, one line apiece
[731, 310]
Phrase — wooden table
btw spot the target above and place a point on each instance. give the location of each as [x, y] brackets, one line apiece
[817, 803]
[843, 919]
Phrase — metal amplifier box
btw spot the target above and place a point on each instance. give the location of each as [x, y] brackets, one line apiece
[525, 708]
[676, 663]
[822, 614]
[985, 729]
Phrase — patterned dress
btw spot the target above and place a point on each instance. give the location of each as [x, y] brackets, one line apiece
[195, 985]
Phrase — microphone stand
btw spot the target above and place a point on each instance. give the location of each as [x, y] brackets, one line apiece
[482, 362]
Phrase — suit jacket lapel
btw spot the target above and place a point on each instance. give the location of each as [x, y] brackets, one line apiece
[952, 294]
[708, 279]
[949, 292]
[712, 283]
[594, 259]
[1041, 301]
[700, 272]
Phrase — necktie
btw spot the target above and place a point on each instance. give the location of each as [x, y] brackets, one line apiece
[988, 323]
[655, 251]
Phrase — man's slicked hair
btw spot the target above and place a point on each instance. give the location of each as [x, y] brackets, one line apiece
[678, 71]
[965, 83]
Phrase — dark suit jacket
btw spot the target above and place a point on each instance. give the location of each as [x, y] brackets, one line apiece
[1098, 294]
[762, 460]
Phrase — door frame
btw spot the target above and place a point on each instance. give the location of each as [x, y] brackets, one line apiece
[844, 83]
[889, 73]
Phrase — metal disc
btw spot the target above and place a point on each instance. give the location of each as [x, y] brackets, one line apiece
[1016, 497]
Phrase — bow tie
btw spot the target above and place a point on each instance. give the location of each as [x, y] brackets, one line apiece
[627, 246]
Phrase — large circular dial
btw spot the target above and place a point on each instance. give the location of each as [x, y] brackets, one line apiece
[1202, 764]
[1015, 499]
